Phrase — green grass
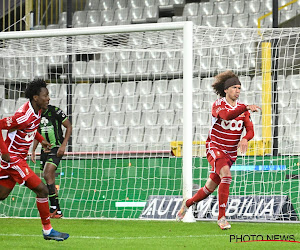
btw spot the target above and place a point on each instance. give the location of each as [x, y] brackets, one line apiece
[138, 234]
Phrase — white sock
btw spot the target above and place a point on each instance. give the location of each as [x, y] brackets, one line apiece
[47, 232]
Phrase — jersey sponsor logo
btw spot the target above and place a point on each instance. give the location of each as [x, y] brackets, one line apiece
[30, 136]
[232, 125]
[9, 121]
[44, 121]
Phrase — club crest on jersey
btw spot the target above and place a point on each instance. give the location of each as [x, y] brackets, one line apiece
[8, 121]
[232, 125]
[44, 121]
[30, 136]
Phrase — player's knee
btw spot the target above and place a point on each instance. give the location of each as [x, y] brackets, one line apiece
[41, 191]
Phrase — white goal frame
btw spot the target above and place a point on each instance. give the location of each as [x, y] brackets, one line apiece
[187, 28]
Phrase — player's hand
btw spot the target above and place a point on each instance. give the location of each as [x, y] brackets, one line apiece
[46, 146]
[61, 151]
[253, 108]
[6, 157]
[243, 146]
[32, 157]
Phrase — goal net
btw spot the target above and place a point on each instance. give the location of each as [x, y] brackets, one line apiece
[139, 98]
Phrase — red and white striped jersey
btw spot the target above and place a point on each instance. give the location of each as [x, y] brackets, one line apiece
[22, 128]
[228, 123]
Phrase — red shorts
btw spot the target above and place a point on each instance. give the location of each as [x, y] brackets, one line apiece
[218, 159]
[19, 172]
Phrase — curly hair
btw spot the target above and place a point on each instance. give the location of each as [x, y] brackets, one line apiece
[220, 79]
[34, 88]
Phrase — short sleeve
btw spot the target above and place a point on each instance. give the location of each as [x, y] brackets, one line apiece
[60, 115]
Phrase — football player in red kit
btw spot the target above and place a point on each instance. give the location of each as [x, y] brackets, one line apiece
[22, 130]
[229, 118]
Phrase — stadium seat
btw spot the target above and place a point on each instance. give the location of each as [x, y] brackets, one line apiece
[152, 134]
[91, 5]
[120, 4]
[197, 20]
[54, 89]
[252, 7]
[128, 88]
[294, 81]
[135, 4]
[164, 20]
[198, 99]
[240, 20]
[93, 17]
[99, 104]
[105, 5]
[206, 8]
[81, 90]
[256, 83]
[151, 14]
[210, 20]
[149, 117]
[79, 17]
[252, 23]
[84, 120]
[168, 134]
[41, 71]
[224, 20]
[8, 107]
[175, 86]
[118, 136]
[109, 69]
[237, 7]
[136, 15]
[245, 81]
[221, 8]
[116, 119]
[144, 88]
[52, 26]
[81, 105]
[190, 9]
[103, 134]
[162, 101]
[12, 72]
[2, 92]
[121, 14]
[166, 117]
[94, 69]
[160, 86]
[100, 119]
[178, 120]
[140, 69]
[196, 84]
[179, 18]
[201, 133]
[173, 66]
[62, 18]
[133, 118]
[114, 103]
[177, 101]
[97, 90]
[284, 99]
[20, 102]
[200, 118]
[135, 135]
[282, 84]
[84, 140]
[113, 89]
[155, 67]
[106, 16]
[130, 103]
[79, 70]
[124, 69]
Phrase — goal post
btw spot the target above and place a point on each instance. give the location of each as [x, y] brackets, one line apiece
[66, 45]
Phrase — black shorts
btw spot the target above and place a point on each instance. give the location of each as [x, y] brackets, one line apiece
[50, 157]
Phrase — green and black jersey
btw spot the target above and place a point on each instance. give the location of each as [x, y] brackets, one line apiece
[50, 126]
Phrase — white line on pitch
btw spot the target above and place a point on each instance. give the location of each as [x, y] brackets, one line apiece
[123, 238]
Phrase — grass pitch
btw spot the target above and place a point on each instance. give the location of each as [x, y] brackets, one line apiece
[139, 234]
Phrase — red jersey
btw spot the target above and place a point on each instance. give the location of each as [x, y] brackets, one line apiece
[228, 123]
[22, 129]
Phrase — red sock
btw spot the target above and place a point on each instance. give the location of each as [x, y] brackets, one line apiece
[43, 207]
[199, 196]
[223, 195]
